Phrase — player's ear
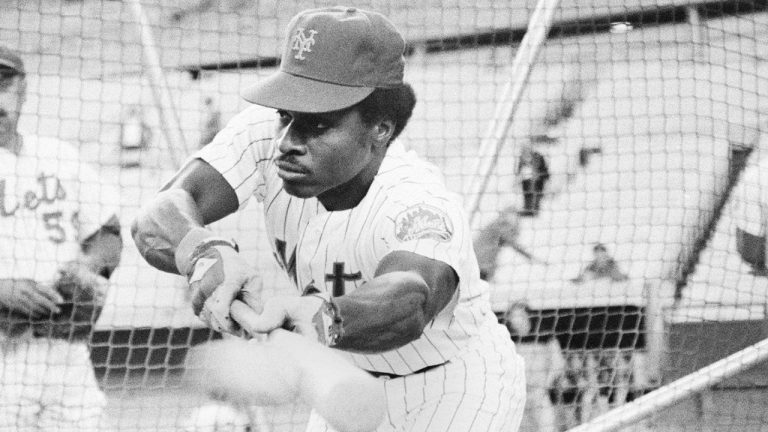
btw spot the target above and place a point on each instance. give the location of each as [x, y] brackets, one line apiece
[383, 131]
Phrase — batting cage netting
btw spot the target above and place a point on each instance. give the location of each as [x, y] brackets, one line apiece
[610, 155]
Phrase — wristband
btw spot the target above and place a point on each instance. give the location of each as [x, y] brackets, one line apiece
[328, 322]
[211, 242]
[194, 243]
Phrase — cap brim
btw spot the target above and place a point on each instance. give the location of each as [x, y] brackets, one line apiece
[288, 92]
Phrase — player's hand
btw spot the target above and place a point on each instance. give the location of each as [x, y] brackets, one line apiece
[28, 298]
[218, 276]
[298, 314]
[84, 294]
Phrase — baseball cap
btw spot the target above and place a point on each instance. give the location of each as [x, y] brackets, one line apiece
[332, 59]
[11, 60]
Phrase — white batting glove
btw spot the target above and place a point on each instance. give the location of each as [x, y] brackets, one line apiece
[217, 275]
[312, 316]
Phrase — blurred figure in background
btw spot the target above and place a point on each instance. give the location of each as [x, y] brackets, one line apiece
[544, 367]
[135, 136]
[533, 173]
[614, 378]
[602, 266]
[211, 122]
[501, 232]
[59, 239]
[578, 392]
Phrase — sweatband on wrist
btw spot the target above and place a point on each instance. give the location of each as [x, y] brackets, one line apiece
[328, 322]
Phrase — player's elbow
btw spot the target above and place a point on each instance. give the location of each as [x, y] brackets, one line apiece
[411, 327]
[399, 334]
[383, 319]
[415, 328]
[419, 308]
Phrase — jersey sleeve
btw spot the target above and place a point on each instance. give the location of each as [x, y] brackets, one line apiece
[433, 226]
[752, 200]
[242, 151]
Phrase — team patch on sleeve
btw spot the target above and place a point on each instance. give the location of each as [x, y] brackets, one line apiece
[422, 221]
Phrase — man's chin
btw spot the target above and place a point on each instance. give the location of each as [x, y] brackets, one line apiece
[298, 190]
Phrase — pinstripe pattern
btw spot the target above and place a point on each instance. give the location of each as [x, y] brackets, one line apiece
[407, 208]
[481, 390]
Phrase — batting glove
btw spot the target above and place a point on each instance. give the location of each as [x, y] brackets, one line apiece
[217, 275]
[311, 315]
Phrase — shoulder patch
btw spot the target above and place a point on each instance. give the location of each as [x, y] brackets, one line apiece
[422, 221]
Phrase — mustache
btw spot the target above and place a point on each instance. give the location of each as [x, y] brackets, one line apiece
[288, 159]
[290, 163]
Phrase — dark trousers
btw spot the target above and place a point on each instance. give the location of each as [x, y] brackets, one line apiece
[532, 193]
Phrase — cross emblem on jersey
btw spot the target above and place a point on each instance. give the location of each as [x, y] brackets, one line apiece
[302, 43]
[339, 278]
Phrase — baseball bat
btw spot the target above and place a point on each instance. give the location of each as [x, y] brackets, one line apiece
[285, 367]
[169, 119]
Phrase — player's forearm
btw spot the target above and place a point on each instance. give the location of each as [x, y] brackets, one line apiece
[162, 224]
[388, 312]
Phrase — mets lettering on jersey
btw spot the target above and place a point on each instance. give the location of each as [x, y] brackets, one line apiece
[48, 190]
[407, 208]
[49, 202]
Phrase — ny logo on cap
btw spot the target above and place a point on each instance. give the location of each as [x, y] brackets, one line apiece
[301, 43]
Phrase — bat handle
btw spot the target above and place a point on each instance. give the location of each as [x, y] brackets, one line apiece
[244, 315]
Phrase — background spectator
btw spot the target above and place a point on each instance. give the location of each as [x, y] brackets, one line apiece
[211, 121]
[544, 368]
[533, 173]
[602, 266]
[579, 390]
[501, 232]
[59, 243]
[135, 136]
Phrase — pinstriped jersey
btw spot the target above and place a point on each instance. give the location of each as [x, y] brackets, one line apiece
[407, 208]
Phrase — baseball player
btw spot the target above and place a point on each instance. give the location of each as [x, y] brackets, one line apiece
[752, 216]
[58, 244]
[379, 250]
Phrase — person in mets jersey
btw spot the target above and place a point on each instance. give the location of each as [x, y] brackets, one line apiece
[379, 250]
[60, 241]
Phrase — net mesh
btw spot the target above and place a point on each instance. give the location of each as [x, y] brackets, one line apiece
[611, 215]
